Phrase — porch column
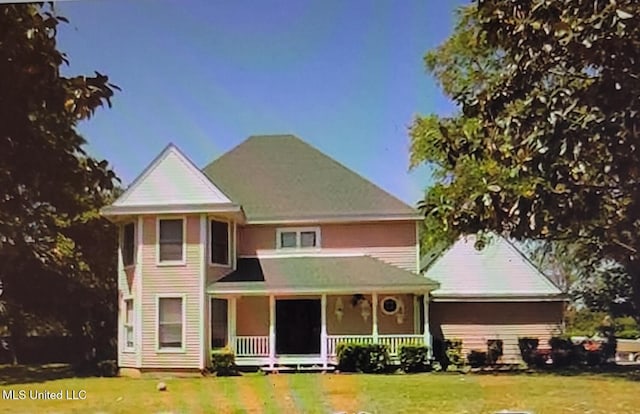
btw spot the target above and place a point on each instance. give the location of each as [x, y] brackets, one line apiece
[426, 333]
[272, 330]
[232, 323]
[374, 310]
[323, 330]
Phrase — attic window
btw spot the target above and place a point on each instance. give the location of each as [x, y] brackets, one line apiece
[298, 238]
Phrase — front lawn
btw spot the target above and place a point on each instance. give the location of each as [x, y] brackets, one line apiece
[329, 393]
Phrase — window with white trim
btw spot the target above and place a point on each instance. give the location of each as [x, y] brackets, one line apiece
[128, 244]
[219, 245]
[298, 238]
[128, 325]
[170, 319]
[171, 240]
[219, 332]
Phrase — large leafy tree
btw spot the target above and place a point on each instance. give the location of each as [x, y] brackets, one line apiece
[546, 142]
[52, 241]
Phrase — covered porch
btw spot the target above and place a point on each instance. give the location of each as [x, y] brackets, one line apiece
[295, 311]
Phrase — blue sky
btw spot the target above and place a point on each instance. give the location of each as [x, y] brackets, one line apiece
[345, 76]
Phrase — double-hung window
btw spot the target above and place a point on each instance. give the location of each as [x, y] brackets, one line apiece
[170, 323]
[171, 241]
[298, 238]
[219, 242]
[128, 244]
[128, 325]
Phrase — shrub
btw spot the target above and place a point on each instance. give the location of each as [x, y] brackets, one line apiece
[528, 348]
[414, 358]
[477, 359]
[223, 363]
[494, 350]
[454, 352]
[107, 368]
[368, 358]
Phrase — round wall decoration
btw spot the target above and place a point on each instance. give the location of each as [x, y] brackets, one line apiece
[390, 305]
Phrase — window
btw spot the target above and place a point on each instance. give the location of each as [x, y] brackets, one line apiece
[219, 242]
[218, 323]
[128, 244]
[303, 238]
[170, 329]
[171, 240]
[128, 324]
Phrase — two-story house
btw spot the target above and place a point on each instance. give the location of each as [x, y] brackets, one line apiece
[275, 251]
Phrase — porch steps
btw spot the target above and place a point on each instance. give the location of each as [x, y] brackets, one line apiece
[296, 368]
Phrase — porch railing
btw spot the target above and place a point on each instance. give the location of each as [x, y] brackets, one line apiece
[394, 342]
[252, 346]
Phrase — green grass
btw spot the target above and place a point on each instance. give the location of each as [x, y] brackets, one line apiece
[327, 393]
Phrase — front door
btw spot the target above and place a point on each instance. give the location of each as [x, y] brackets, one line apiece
[297, 326]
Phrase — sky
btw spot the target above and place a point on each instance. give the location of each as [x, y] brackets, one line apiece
[345, 76]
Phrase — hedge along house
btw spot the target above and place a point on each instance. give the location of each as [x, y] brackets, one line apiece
[493, 293]
[274, 250]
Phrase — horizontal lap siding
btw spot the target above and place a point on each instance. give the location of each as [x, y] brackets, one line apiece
[475, 323]
[171, 280]
[391, 242]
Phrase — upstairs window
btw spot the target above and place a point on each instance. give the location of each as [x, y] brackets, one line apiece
[219, 242]
[128, 244]
[171, 240]
[298, 238]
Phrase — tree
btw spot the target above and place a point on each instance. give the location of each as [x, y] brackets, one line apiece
[546, 143]
[50, 188]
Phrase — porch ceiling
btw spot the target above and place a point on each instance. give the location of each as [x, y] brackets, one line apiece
[361, 274]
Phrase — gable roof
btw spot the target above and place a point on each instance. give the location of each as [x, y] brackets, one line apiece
[499, 270]
[362, 274]
[282, 178]
[171, 183]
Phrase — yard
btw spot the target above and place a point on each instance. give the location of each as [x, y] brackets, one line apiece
[324, 393]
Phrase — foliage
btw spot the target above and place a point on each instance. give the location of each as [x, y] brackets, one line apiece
[627, 328]
[546, 143]
[414, 358]
[477, 359]
[367, 358]
[453, 353]
[52, 239]
[108, 368]
[223, 363]
[528, 348]
[494, 350]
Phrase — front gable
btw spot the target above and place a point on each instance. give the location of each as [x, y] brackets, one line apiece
[171, 183]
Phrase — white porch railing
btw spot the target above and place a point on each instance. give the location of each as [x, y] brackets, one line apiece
[392, 341]
[251, 346]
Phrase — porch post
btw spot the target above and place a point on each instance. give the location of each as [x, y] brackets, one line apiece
[426, 333]
[233, 307]
[323, 330]
[374, 310]
[272, 330]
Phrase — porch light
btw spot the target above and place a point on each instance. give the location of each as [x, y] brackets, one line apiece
[339, 309]
[365, 309]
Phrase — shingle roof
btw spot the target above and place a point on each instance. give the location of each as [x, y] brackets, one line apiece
[280, 177]
[357, 274]
[498, 270]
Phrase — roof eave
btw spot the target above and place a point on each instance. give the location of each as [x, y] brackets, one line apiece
[253, 289]
[114, 211]
[533, 297]
[336, 219]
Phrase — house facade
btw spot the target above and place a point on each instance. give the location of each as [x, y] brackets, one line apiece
[274, 251]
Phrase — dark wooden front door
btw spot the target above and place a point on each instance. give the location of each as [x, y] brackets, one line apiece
[297, 326]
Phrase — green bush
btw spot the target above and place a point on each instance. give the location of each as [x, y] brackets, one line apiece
[477, 359]
[494, 350]
[454, 352]
[107, 368]
[528, 348]
[414, 358]
[368, 358]
[223, 363]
